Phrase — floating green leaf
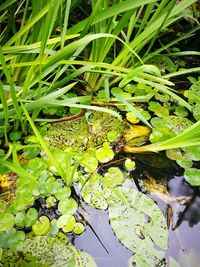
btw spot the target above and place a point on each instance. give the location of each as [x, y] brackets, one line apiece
[67, 206]
[83, 259]
[94, 192]
[41, 227]
[192, 176]
[138, 225]
[40, 251]
[66, 222]
[104, 154]
[78, 228]
[7, 221]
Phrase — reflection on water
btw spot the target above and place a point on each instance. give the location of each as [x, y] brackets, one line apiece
[184, 246]
[111, 253]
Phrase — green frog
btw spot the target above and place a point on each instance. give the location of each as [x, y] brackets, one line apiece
[91, 131]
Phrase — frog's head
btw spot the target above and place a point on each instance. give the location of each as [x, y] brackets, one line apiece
[135, 135]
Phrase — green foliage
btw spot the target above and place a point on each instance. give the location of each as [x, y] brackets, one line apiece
[192, 176]
[138, 224]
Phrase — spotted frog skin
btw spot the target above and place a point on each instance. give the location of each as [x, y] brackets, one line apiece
[83, 133]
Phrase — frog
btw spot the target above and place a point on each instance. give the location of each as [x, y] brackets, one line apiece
[92, 130]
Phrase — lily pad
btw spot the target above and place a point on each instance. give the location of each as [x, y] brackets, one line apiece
[104, 154]
[67, 206]
[40, 251]
[42, 226]
[192, 176]
[139, 224]
[7, 221]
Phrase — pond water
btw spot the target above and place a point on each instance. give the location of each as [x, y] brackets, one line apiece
[184, 232]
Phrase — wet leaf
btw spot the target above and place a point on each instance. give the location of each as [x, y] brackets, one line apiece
[41, 227]
[14, 136]
[192, 176]
[64, 193]
[114, 176]
[90, 163]
[66, 222]
[104, 154]
[193, 152]
[40, 251]
[94, 192]
[79, 228]
[83, 259]
[67, 206]
[31, 217]
[129, 164]
[7, 221]
[185, 162]
[138, 224]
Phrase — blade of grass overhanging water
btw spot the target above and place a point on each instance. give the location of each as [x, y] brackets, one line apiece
[166, 90]
[44, 145]
[66, 103]
[136, 71]
[118, 95]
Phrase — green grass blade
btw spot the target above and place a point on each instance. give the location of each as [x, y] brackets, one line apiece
[5, 110]
[28, 26]
[11, 83]
[44, 145]
[118, 95]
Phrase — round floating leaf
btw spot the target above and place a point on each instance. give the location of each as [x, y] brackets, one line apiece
[132, 118]
[53, 185]
[15, 239]
[67, 206]
[185, 162]
[94, 192]
[20, 219]
[104, 154]
[193, 152]
[30, 152]
[114, 176]
[66, 222]
[112, 136]
[129, 164]
[50, 201]
[192, 176]
[90, 163]
[53, 230]
[7, 221]
[64, 193]
[174, 154]
[138, 224]
[41, 227]
[31, 217]
[79, 228]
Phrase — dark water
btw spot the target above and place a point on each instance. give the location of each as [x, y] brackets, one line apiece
[184, 240]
